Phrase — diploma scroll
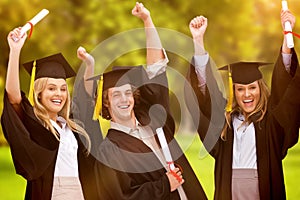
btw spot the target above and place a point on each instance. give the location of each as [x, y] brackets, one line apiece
[32, 22]
[287, 27]
[165, 148]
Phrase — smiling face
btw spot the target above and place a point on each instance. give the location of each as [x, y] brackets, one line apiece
[121, 103]
[54, 96]
[247, 96]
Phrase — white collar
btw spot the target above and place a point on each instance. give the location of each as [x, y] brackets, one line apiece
[61, 120]
[126, 129]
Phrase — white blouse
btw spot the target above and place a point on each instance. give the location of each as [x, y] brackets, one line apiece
[66, 161]
[244, 144]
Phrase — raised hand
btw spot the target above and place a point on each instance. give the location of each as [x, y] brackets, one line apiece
[287, 16]
[140, 11]
[16, 33]
[84, 56]
[198, 26]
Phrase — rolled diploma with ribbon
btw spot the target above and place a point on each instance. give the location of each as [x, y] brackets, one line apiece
[287, 27]
[33, 21]
[165, 148]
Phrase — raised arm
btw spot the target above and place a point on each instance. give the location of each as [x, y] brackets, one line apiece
[156, 62]
[89, 70]
[154, 48]
[208, 96]
[198, 27]
[12, 85]
[285, 89]
[285, 66]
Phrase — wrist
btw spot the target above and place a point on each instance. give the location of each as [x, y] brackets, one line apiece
[15, 51]
[199, 48]
[284, 48]
[89, 60]
[148, 21]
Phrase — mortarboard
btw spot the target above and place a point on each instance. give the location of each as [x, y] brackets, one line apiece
[242, 73]
[54, 66]
[118, 76]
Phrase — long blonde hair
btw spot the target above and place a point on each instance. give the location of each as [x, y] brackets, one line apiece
[42, 114]
[261, 108]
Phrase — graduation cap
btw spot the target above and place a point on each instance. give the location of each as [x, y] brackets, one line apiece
[118, 76]
[54, 66]
[242, 73]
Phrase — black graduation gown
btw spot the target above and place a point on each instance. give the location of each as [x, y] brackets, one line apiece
[130, 170]
[277, 132]
[82, 111]
[34, 151]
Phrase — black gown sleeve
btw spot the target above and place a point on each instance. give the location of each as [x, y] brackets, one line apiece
[287, 111]
[281, 78]
[122, 186]
[125, 170]
[33, 147]
[153, 108]
[210, 106]
[82, 112]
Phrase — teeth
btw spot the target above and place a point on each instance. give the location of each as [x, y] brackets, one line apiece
[247, 101]
[56, 101]
[123, 107]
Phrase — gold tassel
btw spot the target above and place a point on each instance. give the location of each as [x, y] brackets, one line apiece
[98, 105]
[230, 88]
[31, 87]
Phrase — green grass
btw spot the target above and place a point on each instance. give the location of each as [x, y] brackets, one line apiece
[12, 186]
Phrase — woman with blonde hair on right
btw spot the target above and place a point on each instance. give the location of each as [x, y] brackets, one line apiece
[251, 140]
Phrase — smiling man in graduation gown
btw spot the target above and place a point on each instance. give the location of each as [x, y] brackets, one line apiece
[136, 101]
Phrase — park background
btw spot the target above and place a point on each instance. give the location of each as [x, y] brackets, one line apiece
[237, 30]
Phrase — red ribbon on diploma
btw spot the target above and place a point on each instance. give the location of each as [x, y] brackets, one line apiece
[295, 34]
[179, 179]
[31, 29]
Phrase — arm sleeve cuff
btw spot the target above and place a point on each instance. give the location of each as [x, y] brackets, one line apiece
[157, 68]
